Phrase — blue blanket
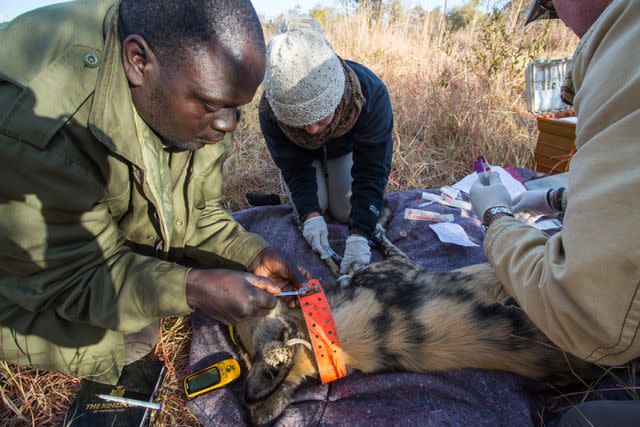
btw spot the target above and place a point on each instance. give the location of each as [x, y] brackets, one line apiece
[460, 398]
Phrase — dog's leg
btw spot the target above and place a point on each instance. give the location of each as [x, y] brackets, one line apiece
[390, 251]
[482, 280]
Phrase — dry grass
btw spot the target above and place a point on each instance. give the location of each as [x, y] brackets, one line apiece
[619, 380]
[36, 398]
[31, 397]
[455, 95]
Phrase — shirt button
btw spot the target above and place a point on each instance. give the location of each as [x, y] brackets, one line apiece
[92, 59]
[179, 222]
[150, 238]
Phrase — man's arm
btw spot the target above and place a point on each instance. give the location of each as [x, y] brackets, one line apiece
[372, 152]
[60, 249]
[295, 164]
[581, 286]
[217, 240]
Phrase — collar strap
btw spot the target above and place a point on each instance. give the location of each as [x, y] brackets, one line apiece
[322, 332]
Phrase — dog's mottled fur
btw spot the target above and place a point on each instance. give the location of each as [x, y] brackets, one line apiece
[395, 316]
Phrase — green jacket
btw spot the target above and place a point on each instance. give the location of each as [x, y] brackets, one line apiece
[94, 214]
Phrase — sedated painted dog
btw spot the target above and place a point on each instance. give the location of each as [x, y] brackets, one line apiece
[395, 316]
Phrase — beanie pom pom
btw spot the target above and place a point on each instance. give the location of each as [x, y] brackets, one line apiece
[290, 22]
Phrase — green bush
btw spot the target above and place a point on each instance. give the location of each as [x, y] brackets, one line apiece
[462, 16]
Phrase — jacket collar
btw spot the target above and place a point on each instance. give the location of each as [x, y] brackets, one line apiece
[113, 118]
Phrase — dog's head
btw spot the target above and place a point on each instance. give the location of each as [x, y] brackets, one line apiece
[271, 345]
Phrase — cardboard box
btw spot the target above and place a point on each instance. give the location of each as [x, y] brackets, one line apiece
[556, 121]
[556, 143]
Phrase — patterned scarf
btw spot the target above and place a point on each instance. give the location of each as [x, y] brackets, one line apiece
[345, 117]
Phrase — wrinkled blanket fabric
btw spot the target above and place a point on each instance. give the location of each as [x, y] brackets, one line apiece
[459, 398]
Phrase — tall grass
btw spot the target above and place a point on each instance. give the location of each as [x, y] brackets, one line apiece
[455, 94]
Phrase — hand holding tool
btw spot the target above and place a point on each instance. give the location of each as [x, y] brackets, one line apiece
[357, 254]
[315, 231]
[485, 197]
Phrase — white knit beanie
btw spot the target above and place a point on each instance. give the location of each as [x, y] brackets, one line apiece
[304, 81]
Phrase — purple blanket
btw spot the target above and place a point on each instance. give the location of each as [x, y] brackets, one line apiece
[460, 398]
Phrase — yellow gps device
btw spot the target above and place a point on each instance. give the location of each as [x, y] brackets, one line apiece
[212, 377]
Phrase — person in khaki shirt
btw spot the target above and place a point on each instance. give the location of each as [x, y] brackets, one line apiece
[115, 119]
[581, 286]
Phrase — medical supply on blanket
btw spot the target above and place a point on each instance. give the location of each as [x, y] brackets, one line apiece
[452, 233]
[482, 169]
[421, 215]
[454, 203]
[450, 192]
[212, 377]
[514, 186]
[129, 401]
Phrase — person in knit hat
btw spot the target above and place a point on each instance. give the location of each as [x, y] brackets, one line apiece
[328, 125]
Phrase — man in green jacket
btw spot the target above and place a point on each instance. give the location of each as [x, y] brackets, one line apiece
[113, 118]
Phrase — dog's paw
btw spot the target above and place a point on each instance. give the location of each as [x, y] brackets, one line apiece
[378, 233]
[344, 280]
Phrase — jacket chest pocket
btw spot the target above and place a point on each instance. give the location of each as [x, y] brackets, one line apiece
[197, 193]
[119, 190]
[119, 204]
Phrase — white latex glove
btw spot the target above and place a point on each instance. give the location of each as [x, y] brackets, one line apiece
[316, 233]
[484, 197]
[357, 253]
[534, 202]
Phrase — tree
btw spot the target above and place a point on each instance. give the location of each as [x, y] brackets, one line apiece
[321, 14]
[462, 16]
[373, 8]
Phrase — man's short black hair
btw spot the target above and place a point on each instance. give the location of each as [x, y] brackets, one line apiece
[171, 27]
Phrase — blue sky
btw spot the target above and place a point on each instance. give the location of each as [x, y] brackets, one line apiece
[267, 8]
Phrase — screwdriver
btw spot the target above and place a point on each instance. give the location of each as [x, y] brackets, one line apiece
[300, 291]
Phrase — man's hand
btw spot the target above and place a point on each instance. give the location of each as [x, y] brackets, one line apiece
[230, 296]
[484, 197]
[272, 264]
[357, 253]
[316, 233]
[534, 202]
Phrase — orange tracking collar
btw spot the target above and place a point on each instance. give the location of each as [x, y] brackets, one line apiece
[322, 331]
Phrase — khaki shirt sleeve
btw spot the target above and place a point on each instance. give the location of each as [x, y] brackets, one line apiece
[580, 286]
[218, 240]
[59, 248]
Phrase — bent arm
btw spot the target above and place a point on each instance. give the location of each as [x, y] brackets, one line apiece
[581, 286]
[294, 163]
[60, 249]
[217, 240]
[372, 152]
